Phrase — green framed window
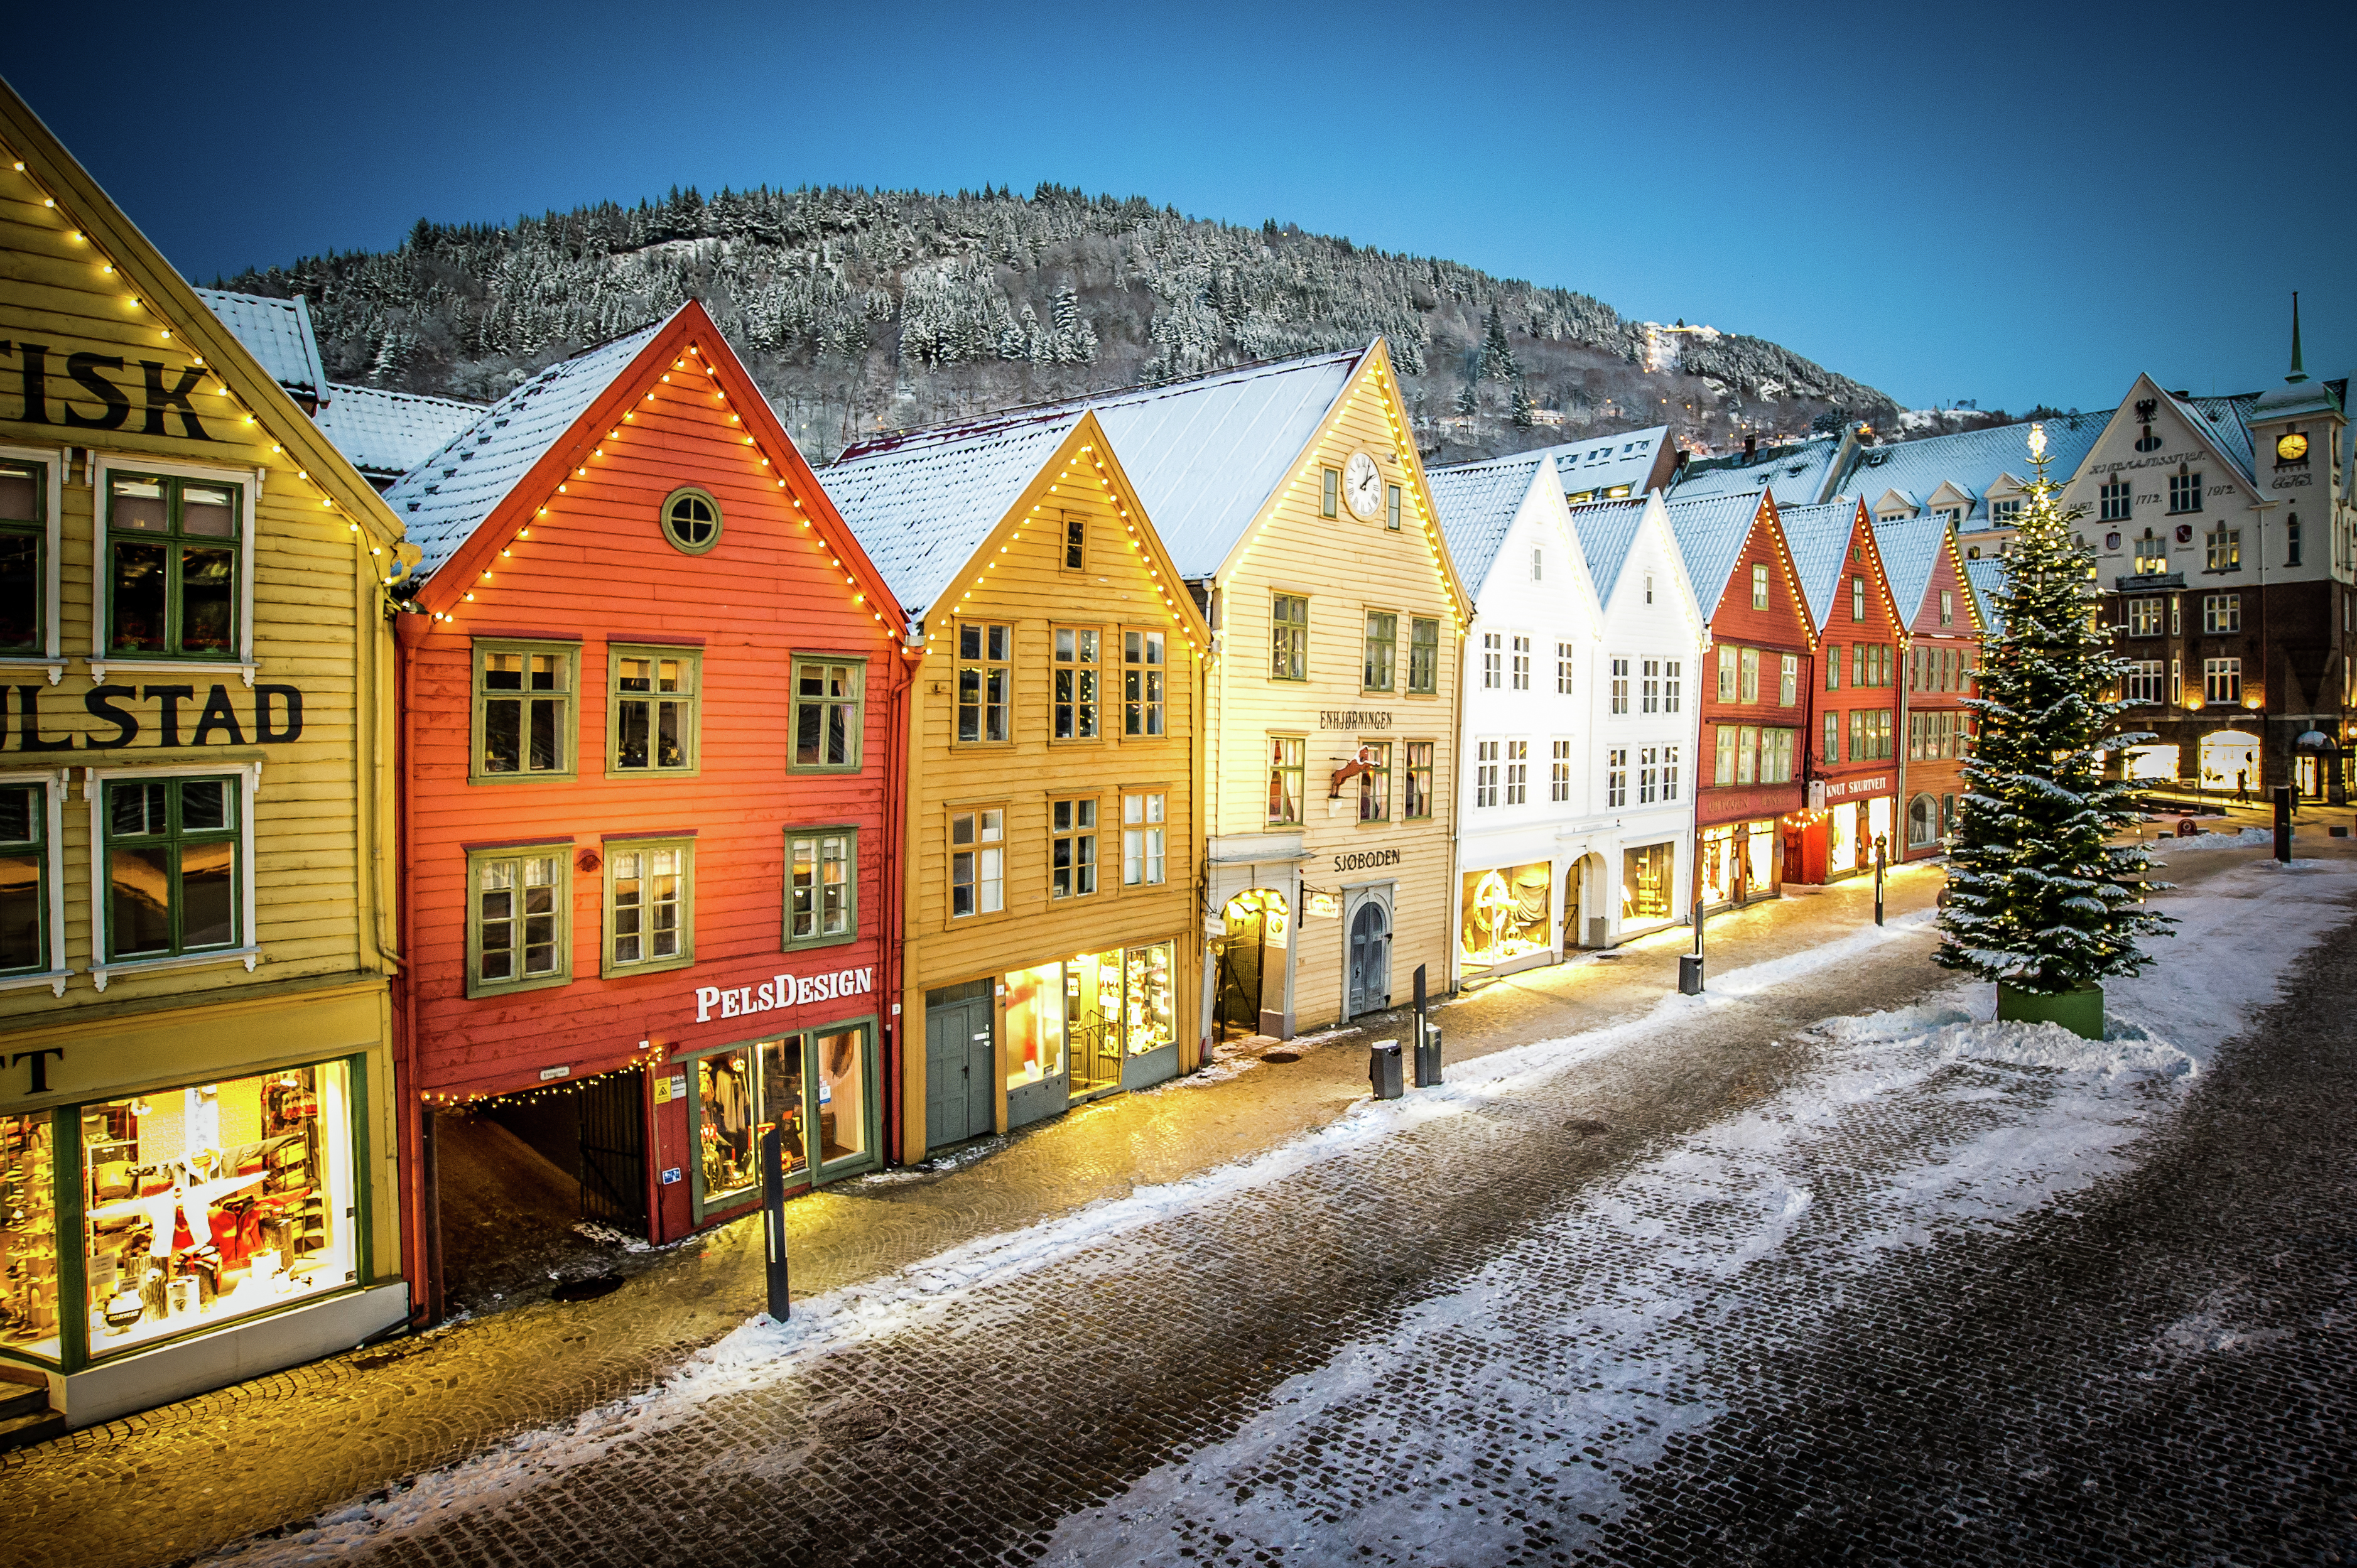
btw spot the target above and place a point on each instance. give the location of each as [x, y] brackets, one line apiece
[1422, 656]
[1141, 683]
[24, 557]
[652, 710]
[985, 681]
[172, 568]
[1392, 507]
[1383, 650]
[524, 711]
[650, 907]
[519, 917]
[1330, 492]
[1285, 772]
[821, 885]
[827, 714]
[1288, 637]
[1077, 674]
[691, 520]
[23, 879]
[174, 854]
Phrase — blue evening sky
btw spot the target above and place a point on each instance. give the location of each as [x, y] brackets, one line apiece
[1982, 201]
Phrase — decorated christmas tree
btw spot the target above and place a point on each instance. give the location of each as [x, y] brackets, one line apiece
[2040, 898]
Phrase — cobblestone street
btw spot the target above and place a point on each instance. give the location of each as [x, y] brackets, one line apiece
[1652, 1280]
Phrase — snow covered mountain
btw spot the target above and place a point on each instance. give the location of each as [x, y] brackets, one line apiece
[864, 310]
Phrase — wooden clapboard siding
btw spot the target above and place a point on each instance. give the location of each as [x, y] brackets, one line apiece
[320, 824]
[1784, 627]
[595, 572]
[1024, 585]
[1346, 568]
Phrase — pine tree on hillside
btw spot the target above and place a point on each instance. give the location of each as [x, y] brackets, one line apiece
[1468, 399]
[2039, 898]
[1498, 363]
[1526, 407]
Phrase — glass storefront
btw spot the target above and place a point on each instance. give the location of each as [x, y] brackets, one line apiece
[1645, 883]
[1086, 1018]
[1506, 914]
[1739, 861]
[29, 1235]
[213, 1202]
[1841, 838]
[819, 1081]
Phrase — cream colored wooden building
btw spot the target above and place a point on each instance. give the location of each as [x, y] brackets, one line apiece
[196, 1083]
[1051, 809]
[1294, 502]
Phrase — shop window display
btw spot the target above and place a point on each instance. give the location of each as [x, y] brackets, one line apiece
[29, 1235]
[1150, 1003]
[799, 1084]
[1035, 1025]
[1764, 850]
[1088, 1012]
[1505, 913]
[842, 1095]
[1645, 883]
[728, 1110]
[207, 1204]
[1841, 838]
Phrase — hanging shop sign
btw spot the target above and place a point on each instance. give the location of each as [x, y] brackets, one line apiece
[166, 717]
[1322, 906]
[781, 990]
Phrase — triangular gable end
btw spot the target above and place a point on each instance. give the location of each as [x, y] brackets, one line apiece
[1775, 524]
[1374, 366]
[690, 343]
[1657, 518]
[1954, 548]
[95, 233]
[2126, 415]
[1546, 487]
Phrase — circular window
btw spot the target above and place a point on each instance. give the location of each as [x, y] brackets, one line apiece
[691, 520]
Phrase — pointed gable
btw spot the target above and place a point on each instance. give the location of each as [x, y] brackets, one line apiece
[1711, 532]
[277, 332]
[1478, 503]
[1820, 538]
[1608, 535]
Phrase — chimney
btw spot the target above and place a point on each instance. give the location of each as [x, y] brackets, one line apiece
[1683, 456]
[1750, 447]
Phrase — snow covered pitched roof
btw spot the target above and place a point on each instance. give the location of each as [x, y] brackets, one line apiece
[1987, 576]
[2226, 421]
[1819, 538]
[1606, 462]
[445, 498]
[1203, 454]
[1478, 503]
[1910, 554]
[921, 508]
[1710, 531]
[1607, 530]
[1796, 474]
[278, 333]
[1970, 460]
[389, 433]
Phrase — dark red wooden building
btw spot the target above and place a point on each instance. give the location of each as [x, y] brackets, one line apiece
[649, 713]
[1854, 726]
[1943, 640]
[1756, 690]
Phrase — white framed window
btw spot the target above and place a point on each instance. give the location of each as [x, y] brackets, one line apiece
[1563, 658]
[181, 538]
[2143, 680]
[1616, 777]
[1071, 848]
[1485, 772]
[977, 863]
[2144, 616]
[1538, 564]
[1651, 687]
[1522, 664]
[2222, 612]
[1619, 685]
[189, 834]
[1559, 772]
[1493, 660]
[32, 880]
[1669, 773]
[1518, 772]
[1648, 765]
[1142, 844]
[2221, 680]
[1674, 681]
[32, 497]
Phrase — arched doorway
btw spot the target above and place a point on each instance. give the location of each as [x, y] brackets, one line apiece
[1371, 958]
[2227, 753]
[1251, 958]
[1922, 822]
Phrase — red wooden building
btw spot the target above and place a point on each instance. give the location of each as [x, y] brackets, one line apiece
[1755, 706]
[651, 710]
[1943, 633]
[1854, 725]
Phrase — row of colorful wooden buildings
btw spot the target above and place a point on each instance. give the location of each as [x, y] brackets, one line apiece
[585, 760]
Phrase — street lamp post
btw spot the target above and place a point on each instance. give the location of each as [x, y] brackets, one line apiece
[1881, 860]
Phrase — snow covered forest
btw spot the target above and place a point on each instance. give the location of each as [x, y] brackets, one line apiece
[861, 311]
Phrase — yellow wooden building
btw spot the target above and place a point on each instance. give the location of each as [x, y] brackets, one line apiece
[1292, 498]
[1052, 952]
[196, 1079]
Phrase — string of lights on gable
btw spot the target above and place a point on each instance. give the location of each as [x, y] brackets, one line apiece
[1103, 481]
[690, 363]
[108, 268]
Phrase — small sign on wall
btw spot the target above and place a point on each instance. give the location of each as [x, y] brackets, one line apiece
[662, 1091]
[679, 1087]
[548, 1073]
[670, 1176]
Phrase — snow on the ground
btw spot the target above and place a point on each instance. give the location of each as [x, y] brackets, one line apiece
[1729, 1183]
[1574, 1388]
[2248, 838]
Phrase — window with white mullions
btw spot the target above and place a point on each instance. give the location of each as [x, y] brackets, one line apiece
[985, 682]
[172, 865]
[172, 566]
[1142, 844]
[977, 863]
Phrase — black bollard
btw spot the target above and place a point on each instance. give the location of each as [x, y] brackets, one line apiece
[773, 1220]
[2283, 824]
[1426, 1040]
